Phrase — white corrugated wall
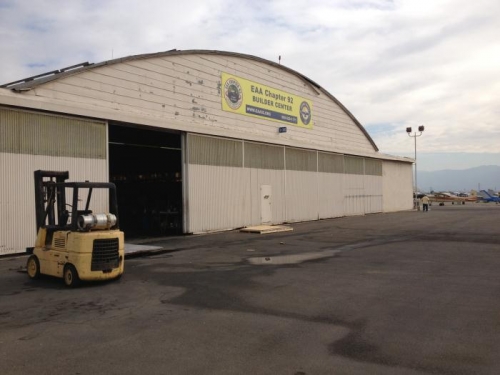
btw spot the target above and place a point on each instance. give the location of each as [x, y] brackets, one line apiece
[354, 186]
[218, 198]
[331, 196]
[330, 188]
[397, 196]
[301, 187]
[221, 197]
[217, 184]
[301, 196]
[373, 186]
[38, 133]
[275, 179]
[31, 141]
[354, 194]
[17, 193]
[266, 167]
[305, 184]
[373, 193]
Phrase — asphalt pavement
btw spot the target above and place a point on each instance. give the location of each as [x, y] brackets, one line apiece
[398, 293]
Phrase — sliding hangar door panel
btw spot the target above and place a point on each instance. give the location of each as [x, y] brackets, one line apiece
[31, 141]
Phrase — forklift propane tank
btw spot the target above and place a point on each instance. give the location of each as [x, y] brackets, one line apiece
[96, 221]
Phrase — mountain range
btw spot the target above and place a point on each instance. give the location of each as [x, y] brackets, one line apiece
[478, 178]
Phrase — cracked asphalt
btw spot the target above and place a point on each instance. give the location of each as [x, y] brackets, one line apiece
[398, 293]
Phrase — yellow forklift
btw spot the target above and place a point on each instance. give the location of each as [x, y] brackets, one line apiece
[73, 242]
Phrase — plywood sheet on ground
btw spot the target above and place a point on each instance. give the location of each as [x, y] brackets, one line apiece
[263, 229]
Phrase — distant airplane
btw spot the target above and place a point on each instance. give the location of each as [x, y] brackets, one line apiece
[492, 193]
[486, 196]
[442, 198]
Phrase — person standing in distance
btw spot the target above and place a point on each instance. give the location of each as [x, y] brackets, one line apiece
[425, 203]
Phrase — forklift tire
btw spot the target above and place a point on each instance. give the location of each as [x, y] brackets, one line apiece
[33, 267]
[70, 275]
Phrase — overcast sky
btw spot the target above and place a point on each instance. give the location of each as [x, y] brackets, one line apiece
[393, 64]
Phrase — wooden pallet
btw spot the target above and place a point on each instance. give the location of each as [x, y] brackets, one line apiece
[263, 229]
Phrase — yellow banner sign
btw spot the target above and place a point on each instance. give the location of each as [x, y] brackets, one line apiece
[250, 98]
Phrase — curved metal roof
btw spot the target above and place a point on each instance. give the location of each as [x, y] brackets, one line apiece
[34, 81]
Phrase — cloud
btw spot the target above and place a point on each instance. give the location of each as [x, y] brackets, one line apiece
[393, 64]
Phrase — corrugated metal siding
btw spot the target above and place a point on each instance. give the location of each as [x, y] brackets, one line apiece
[373, 167]
[17, 196]
[330, 195]
[373, 194]
[261, 156]
[214, 151]
[301, 187]
[274, 178]
[397, 186]
[354, 165]
[301, 196]
[354, 194]
[223, 197]
[354, 186]
[362, 186]
[26, 132]
[330, 163]
[218, 198]
[301, 160]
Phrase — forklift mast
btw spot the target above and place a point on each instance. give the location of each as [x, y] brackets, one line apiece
[53, 193]
[50, 201]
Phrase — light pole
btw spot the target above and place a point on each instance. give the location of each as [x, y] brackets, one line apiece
[415, 135]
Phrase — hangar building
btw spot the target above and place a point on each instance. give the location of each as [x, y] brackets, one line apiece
[196, 141]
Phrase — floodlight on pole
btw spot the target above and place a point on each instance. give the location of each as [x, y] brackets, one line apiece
[414, 136]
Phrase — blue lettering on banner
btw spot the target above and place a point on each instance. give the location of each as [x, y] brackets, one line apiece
[270, 114]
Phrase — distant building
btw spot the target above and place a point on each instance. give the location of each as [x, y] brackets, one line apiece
[196, 141]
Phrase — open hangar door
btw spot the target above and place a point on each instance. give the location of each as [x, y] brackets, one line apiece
[146, 166]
